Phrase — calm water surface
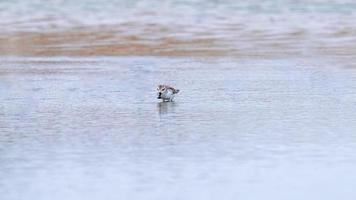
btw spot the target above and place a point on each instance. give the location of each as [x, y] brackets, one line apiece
[92, 128]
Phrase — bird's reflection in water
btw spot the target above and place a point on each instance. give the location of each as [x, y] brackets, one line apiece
[166, 107]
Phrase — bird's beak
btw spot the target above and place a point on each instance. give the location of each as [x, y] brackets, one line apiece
[159, 95]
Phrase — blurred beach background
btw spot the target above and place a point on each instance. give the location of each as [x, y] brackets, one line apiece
[253, 28]
[266, 109]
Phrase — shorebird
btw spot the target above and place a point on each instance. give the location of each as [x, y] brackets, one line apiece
[166, 93]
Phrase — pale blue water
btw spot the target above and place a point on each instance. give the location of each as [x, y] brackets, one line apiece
[92, 128]
[48, 15]
[273, 118]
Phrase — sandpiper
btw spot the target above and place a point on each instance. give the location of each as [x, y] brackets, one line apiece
[166, 93]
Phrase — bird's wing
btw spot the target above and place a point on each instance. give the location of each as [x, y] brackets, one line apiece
[175, 91]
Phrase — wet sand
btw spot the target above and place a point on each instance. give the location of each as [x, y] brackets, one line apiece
[202, 28]
[158, 40]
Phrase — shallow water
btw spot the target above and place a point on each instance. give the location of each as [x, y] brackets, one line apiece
[92, 128]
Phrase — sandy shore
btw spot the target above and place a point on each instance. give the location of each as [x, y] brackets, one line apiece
[156, 40]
